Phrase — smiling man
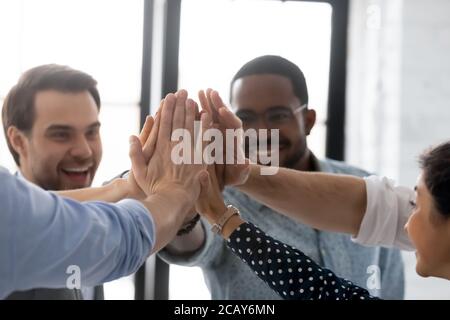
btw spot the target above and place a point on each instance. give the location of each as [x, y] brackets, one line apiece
[50, 118]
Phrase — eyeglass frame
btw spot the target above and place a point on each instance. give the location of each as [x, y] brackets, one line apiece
[264, 114]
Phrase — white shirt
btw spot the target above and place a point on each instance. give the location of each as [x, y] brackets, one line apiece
[388, 210]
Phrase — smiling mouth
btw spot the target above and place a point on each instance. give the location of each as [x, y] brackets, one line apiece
[79, 174]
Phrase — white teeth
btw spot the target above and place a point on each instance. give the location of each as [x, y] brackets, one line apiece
[76, 170]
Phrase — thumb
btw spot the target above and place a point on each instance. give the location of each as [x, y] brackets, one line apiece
[203, 178]
[245, 174]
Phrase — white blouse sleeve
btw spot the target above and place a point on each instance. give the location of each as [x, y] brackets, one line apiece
[388, 210]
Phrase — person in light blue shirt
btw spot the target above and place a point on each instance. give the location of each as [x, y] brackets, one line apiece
[43, 235]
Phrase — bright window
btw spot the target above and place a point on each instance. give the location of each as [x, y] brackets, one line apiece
[102, 38]
[218, 37]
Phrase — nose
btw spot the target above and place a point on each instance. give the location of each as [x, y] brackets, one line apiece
[260, 123]
[405, 227]
[81, 149]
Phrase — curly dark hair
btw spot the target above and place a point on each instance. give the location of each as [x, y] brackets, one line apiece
[435, 164]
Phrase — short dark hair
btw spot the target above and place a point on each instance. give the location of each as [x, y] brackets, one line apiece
[270, 64]
[435, 164]
[18, 107]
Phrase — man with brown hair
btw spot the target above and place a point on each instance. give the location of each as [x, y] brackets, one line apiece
[50, 119]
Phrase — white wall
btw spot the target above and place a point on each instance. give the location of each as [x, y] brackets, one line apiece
[399, 96]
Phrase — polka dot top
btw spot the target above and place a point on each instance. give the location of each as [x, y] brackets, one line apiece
[288, 271]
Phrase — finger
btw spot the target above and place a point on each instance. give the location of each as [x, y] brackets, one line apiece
[150, 144]
[197, 112]
[243, 172]
[229, 120]
[220, 174]
[216, 100]
[226, 118]
[204, 101]
[145, 132]
[189, 122]
[214, 178]
[165, 129]
[197, 132]
[180, 110]
[206, 122]
[204, 180]
[215, 115]
[212, 173]
[161, 103]
[138, 163]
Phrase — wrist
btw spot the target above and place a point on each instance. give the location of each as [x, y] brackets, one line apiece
[188, 226]
[165, 207]
[227, 222]
[118, 188]
[231, 225]
[215, 211]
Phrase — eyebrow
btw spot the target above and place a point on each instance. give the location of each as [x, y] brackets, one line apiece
[63, 127]
[269, 108]
[279, 107]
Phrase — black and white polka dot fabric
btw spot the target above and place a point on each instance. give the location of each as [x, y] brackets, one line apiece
[288, 271]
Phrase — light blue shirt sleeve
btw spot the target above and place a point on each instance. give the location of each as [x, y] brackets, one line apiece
[44, 238]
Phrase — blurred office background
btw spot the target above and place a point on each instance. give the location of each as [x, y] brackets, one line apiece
[377, 72]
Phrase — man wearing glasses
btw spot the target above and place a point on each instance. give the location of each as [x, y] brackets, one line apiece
[270, 92]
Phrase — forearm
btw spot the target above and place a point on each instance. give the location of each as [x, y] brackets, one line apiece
[168, 211]
[323, 201]
[112, 192]
[288, 271]
[120, 235]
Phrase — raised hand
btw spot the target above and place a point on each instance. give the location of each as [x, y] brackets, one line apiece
[154, 169]
[237, 172]
[133, 189]
[210, 203]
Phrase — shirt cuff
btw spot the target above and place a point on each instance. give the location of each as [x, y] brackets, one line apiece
[144, 217]
[200, 258]
[384, 219]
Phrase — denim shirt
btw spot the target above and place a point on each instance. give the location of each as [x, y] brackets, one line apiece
[379, 270]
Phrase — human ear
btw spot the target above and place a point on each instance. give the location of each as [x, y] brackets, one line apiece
[310, 120]
[17, 140]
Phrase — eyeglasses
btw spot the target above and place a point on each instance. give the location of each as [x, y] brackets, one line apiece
[273, 117]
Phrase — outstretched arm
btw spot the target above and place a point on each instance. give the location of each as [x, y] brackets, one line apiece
[324, 201]
[288, 271]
